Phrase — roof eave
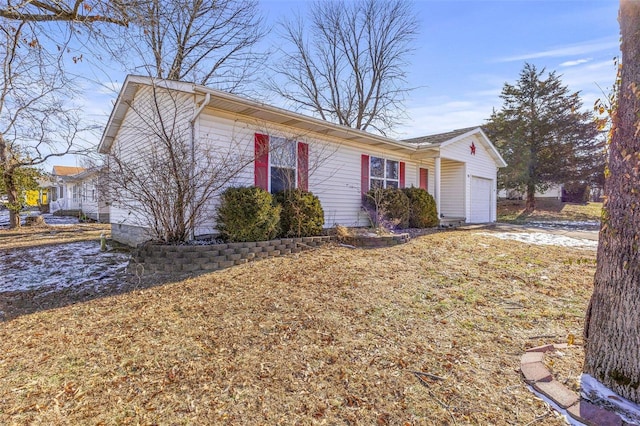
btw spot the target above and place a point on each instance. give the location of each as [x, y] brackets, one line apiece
[262, 112]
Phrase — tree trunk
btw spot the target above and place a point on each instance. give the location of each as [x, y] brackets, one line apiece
[531, 197]
[13, 198]
[612, 325]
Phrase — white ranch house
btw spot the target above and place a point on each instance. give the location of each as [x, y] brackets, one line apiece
[336, 163]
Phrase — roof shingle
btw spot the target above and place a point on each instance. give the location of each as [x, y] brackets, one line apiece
[440, 137]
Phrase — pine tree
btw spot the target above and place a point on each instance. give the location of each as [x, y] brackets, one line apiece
[543, 134]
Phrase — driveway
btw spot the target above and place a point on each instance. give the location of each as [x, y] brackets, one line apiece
[589, 232]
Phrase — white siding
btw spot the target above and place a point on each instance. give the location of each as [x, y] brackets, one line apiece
[138, 131]
[452, 189]
[334, 167]
[480, 164]
[430, 166]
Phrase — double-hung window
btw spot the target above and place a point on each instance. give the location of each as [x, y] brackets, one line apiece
[384, 173]
[379, 172]
[283, 165]
[280, 164]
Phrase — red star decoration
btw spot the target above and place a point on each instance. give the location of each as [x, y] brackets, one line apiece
[473, 148]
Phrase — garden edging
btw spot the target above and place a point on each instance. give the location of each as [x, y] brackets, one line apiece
[159, 258]
[205, 258]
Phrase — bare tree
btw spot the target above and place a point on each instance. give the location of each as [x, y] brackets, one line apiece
[169, 184]
[204, 42]
[108, 11]
[38, 116]
[36, 119]
[612, 336]
[348, 64]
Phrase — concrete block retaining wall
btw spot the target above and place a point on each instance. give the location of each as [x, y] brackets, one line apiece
[204, 258]
[379, 241]
[153, 258]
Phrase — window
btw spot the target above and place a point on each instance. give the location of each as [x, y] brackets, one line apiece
[283, 164]
[76, 193]
[384, 173]
[280, 164]
[378, 172]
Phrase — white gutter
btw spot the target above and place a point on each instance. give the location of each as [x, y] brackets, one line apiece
[207, 99]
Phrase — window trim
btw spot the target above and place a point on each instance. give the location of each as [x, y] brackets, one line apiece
[384, 179]
[272, 165]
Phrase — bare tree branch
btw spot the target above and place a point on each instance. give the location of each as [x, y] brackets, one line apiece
[36, 121]
[112, 12]
[205, 42]
[353, 70]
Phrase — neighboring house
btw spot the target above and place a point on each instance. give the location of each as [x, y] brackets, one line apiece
[64, 189]
[92, 201]
[336, 163]
[553, 192]
[74, 191]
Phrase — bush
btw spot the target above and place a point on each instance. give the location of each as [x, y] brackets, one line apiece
[422, 208]
[247, 214]
[576, 193]
[388, 208]
[301, 215]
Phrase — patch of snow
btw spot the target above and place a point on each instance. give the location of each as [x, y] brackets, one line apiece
[543, 238]
[566, 224]
[601, 395]
[55, 267]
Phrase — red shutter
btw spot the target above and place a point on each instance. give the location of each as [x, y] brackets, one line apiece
[303, 166]
[424, 179]
[402, 167]
[364, 174]
[261, 161]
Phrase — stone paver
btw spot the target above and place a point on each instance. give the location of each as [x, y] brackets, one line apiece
[536, 374]
[543, 348]
[559, 393]
[532, 357]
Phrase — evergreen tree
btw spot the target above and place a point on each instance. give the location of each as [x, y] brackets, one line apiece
[543, 134]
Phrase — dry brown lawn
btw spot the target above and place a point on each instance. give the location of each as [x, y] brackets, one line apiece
[32, 236]
[330, 336]
[548, 210]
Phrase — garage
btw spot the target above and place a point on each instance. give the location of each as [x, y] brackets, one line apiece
[481, 199]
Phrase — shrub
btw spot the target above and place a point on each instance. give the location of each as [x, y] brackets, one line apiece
[388, 208]
[575, 193]
[422, 208]
[247, 214]
[301, 215]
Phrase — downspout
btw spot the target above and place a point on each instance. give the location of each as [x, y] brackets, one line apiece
[196, 114]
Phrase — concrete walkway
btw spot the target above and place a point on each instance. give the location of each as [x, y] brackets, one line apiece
[572, 232]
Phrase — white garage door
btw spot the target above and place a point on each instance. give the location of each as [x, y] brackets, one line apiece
[481, 199]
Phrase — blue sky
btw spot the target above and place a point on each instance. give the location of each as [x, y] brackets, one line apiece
[468, 49]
